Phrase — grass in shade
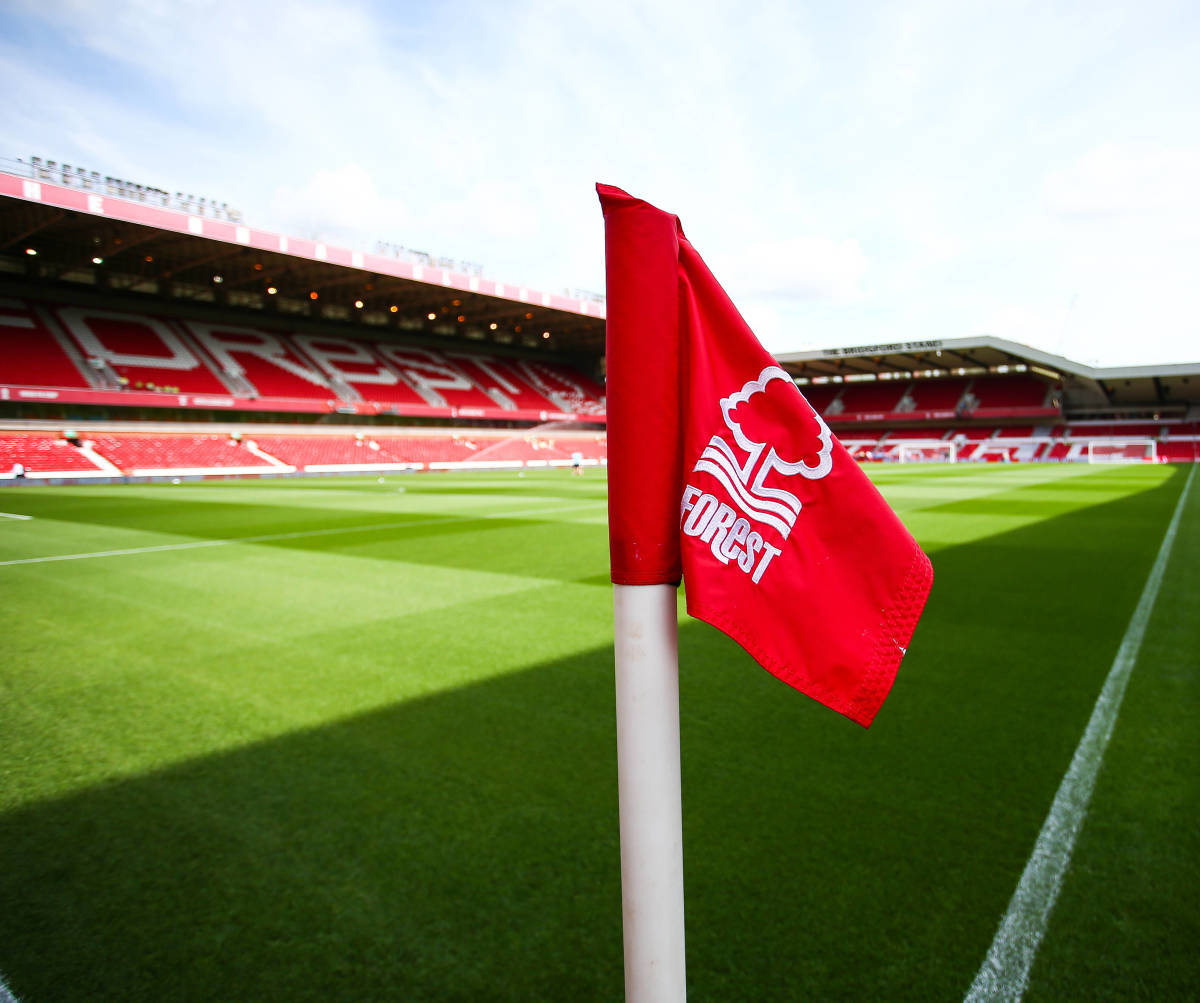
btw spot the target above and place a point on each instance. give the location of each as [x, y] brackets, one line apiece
[372, 754]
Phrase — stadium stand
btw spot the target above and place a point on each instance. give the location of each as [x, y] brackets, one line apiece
[266, 361]
[317, 356]
[922, 432]
[166, 453]
[364, 451]
[453, 448]
[355, 372]
[44, 454]
[126, 351]
[435, 378]
[821, 397]
[861, 447]
[938, 395]
[327, 452]
[1118, 430]
[872, 398]
[160, 453]
[500, 381]
[1179, 451]
[30, 355]
[173, 453]
[144, 352]
[991, 393]
[568, 390]
[530, 448]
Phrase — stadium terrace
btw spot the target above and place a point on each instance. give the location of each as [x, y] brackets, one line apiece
[144, 337]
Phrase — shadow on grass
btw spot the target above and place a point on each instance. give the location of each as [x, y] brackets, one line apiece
[457, 847]
[464, 846]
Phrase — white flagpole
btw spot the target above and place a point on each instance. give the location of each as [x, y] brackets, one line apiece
[647, 678]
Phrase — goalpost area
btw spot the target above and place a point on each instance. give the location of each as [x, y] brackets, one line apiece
[929, 451]
[1122, 451]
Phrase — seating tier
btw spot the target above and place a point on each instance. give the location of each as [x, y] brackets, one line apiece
[29, 354]
[174, 451]
[41, 452]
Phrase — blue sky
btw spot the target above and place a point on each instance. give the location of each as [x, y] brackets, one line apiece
[853, 173]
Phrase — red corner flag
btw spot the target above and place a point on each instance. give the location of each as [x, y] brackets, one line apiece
[721, 471]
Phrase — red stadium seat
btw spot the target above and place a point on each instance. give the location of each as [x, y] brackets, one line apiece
[147, 353]
[30, 355]
[43, 453]
[1009, 391]
[862, 398]
[267, 361]
[176, 451]
[938, 395]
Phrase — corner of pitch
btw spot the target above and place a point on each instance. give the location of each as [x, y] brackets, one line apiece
[728, 535]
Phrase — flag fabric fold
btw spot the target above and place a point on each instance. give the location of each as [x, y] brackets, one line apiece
[721, 473]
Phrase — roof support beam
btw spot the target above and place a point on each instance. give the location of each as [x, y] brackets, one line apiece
[19, 237]
[208, 259]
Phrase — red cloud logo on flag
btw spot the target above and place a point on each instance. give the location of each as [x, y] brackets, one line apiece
[771, 409]
[766, 413]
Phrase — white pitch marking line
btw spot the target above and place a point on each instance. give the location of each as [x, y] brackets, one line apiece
[1004, 974]
[13, 515]
[298, 535]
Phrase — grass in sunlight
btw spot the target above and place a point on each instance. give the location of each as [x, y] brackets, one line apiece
[352, 738]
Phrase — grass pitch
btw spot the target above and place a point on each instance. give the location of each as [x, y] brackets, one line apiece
[371, 754]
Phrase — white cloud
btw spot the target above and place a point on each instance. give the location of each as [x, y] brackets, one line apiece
[1112, 180]
[1026, 324]
[803, 267]
[893, 171]
[338, 204]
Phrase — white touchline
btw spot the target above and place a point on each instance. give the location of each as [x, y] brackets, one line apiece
[6, 995]
[13, 515]
[298, 535]
[1004, 974]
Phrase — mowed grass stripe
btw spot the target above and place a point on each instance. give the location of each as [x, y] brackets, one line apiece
[251, 644]
[972, 504]
[392, 776]
[1004, 974]
[148, 515]
[299, 534]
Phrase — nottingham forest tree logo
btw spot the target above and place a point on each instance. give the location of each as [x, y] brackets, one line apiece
[776, 436]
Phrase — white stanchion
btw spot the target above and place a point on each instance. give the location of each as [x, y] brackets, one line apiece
[647, 684]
